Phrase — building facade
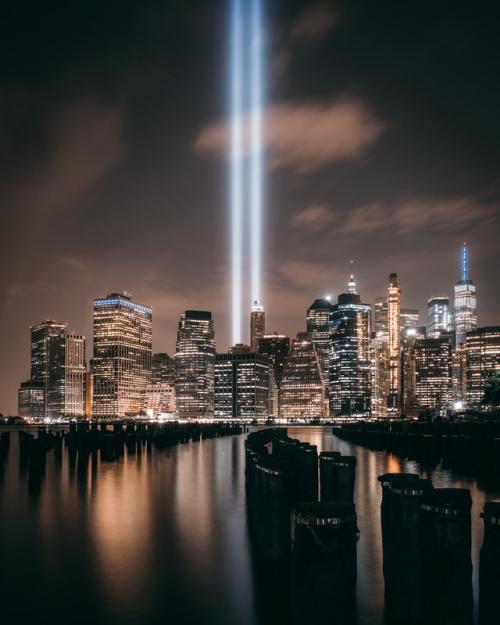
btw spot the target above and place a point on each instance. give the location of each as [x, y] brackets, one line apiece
[465, 304]
[195, 365]
[394, 345]
[350, 379]
[242, 385]
[410, 318]
[257, 325]
[56, 388]
[302, 392]
[121, 362]
[482, 349]
[276, 348]
[433, 374]
[438, 317]
[318, 326]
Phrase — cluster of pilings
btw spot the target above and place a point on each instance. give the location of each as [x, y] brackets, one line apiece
[4, 449]
[426, 538]
[111, 440]
[470, 447]
[289, 524]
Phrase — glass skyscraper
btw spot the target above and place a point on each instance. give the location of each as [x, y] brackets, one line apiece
[433, 374]
[394, 345]
[257, 325]
[318, 326]
[465, 316]
[482, 349]
[195, 365]
[350, 388]
[438, 317]
[122, 355]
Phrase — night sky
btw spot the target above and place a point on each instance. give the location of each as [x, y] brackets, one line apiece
[383, 148]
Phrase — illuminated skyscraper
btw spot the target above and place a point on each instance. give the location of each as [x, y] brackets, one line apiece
[195, 365]
[122, 355]
[433, 374]
[257, 325]
[242, 384]
[380, 319]
[350, 388]
[162, 369]
[438, 317]
[465, 317]
[159, 396]
[302, 393]
[318, 326]
[276, 348]
[409, 337]
[394, 333]
[483, 360]
[57, 385]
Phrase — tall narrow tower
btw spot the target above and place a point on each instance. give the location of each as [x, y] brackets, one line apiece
[394, 328]
[257, 325]
[465, 300]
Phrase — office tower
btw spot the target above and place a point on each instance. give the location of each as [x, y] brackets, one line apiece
[242, 384]
[409, 318]
[195, 365]
[482, 348]
[438, 317]
[433, 374]
[31, 400]
[394, 345]
[318, 326]
[57, 374]
[122, 355]
[350, 388]
[159, 395]
[465, 317]
[302, 392]
[276, 348]
[409, 336]
[257, 325]
[379, 377]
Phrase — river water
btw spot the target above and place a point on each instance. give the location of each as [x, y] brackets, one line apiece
[162, 537]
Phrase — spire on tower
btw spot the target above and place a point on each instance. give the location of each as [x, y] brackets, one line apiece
[465, 262]
[351, 286]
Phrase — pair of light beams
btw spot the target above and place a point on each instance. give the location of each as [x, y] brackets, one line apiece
[246, 163]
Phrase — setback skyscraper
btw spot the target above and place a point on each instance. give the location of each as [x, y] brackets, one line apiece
[465, 316]
[122, 355]
[350, 389]
[195, 365]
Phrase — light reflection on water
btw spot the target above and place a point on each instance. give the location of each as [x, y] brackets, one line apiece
[161, 537]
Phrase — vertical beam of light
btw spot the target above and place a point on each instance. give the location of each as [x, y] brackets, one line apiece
[236, 162]
[256, 167]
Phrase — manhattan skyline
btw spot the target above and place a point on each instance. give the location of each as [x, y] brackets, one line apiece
[113, 178]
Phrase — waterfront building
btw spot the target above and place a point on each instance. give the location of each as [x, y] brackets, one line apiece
[380, 319]
[302, 392]
[159, 399]
[350, 388]
[195, 365]
[379, 376]
[242, 384]
[318, 326]
[162, 369]
[121, 361]
[31, 400]
[438, 317]
[433, 374]
[482, 348]
[394, 345]
[276, 348]
[257, 325]
[465, 305]
[56, 388]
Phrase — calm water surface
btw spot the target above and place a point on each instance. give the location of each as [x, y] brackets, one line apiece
[162, 537]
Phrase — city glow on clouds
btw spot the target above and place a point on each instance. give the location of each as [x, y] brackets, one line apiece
[314, 217]
[314, 23]
[305, 137]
